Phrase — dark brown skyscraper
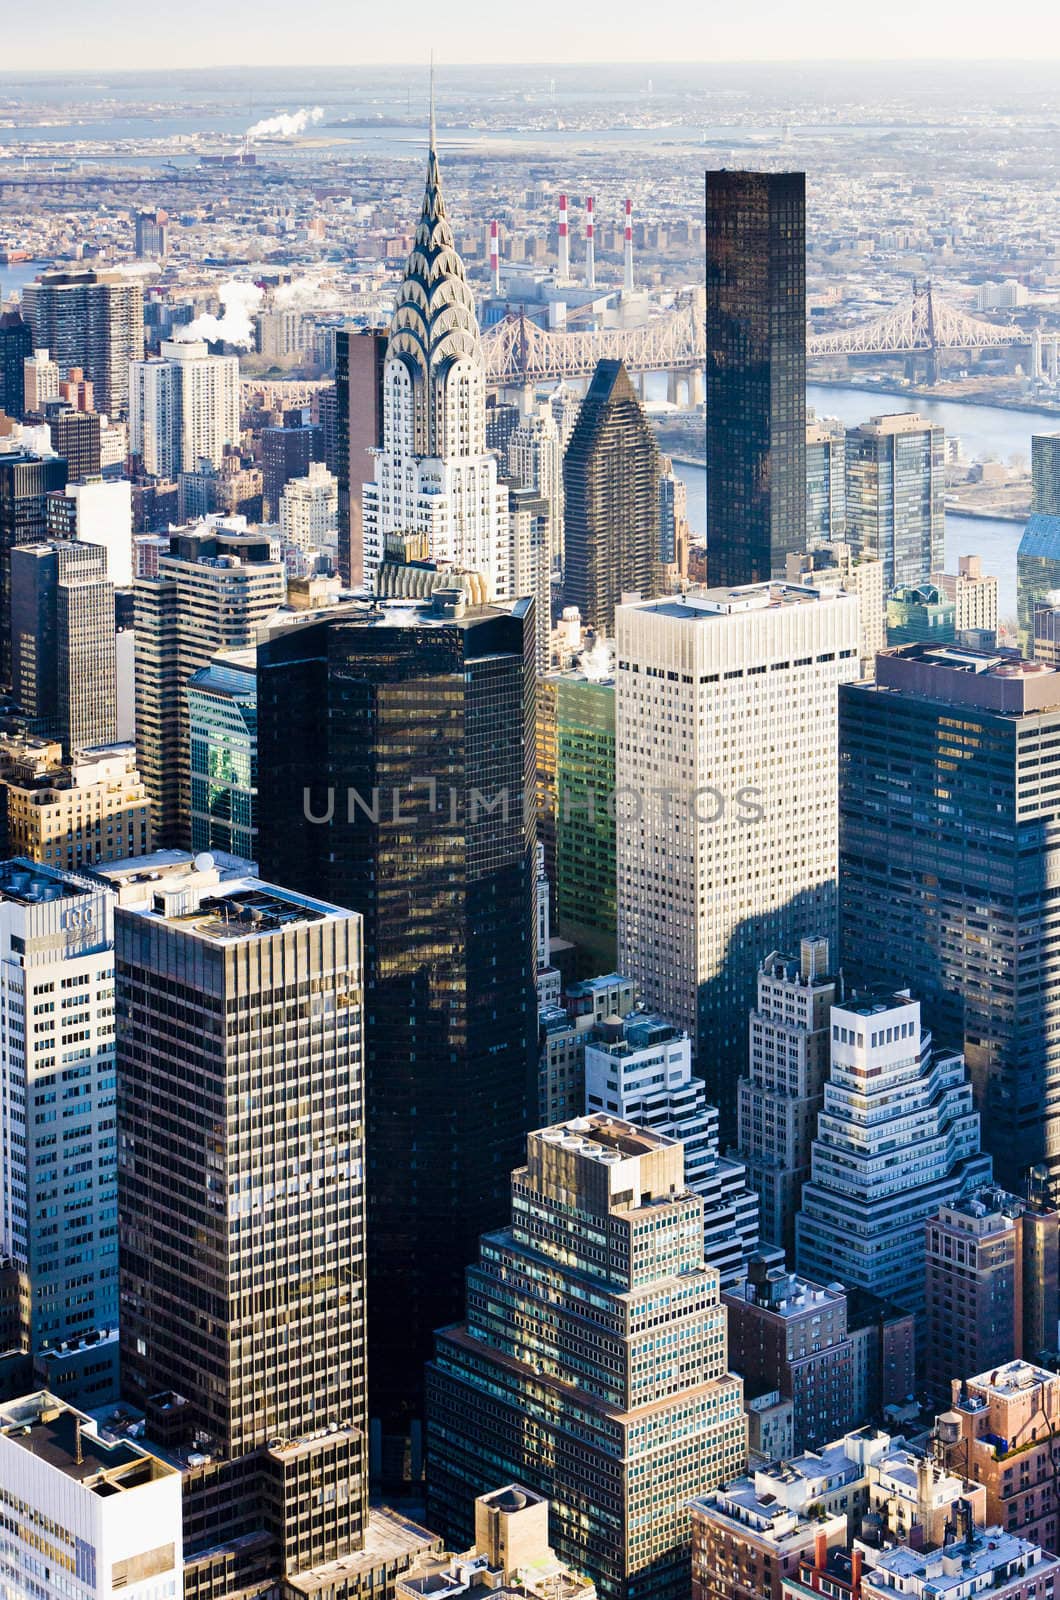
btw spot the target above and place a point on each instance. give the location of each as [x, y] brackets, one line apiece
[611, 476]
[75, 437]
[359, 359]
[756, 374]
[240, 1117]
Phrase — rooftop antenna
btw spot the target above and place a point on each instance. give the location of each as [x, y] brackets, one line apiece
[432, 131]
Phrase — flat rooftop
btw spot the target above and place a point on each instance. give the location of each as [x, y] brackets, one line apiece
[957, 1565]
[241, 910]
[1017, 1377]
[29, 883]
[600, 1136]
[66, 1440]
[956, 675]
[704, 605]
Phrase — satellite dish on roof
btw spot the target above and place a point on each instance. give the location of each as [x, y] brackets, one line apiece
[204, 862]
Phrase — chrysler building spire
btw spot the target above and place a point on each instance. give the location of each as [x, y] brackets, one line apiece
[434, 473]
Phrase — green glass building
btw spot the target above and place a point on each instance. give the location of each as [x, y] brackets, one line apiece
[918, 614]
[223, 724]
[585, 823]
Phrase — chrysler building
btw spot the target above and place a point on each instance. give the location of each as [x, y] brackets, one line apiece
[433, 474]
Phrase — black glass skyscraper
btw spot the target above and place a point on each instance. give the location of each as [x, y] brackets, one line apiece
[16, 343]
[409, 731]
[25, 481]
[611, 473]
[949, 861]
[756, 374]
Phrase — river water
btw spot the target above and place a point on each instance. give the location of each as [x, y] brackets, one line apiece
[983, 430]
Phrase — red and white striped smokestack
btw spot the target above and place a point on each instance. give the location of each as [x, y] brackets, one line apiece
[627, 273]
[564, 240]
[495, 259]
[590, 247]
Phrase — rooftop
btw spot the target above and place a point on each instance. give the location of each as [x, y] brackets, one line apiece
[1018, 1377]
[239, 910]
[956, 1567]
[601, 1137]
[30, 883]
[958, 675]
[702, 604]
[67, 1441]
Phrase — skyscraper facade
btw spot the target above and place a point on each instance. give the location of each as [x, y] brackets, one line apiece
[619, 1397]
[212, 592]
[611, 471]
[584, 823]
[639, 1069]
[949, 842]
[826, 498]
[782, 1091]
[407, 730]
[184, 407]
[63, 641]
[896, 1138]
[991, 1284]
[222, 733]
[16, 343]
[756, 374]
[434, 474]
[896, 496]
[1037, 572]
[241, 1122]
[1045, 473]
[360, 357]
[26, 480]
[93, 320]
[58, 1199]
[726, 784]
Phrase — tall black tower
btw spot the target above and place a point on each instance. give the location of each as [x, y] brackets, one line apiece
[409, 731]
[756, 374]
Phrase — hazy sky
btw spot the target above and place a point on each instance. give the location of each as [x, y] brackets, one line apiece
[128, 33]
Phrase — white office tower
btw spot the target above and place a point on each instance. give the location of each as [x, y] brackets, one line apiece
[98, 511]
[85, 1516]
[727, 806]
[639, 1068]
[434, 474]
[535, 459]
[309, 510]
[58, 1197]
[896, 1139]
[183, 407]
[782, 1091]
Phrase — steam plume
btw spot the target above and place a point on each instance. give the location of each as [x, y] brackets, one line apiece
[238, 303]
[285, 125]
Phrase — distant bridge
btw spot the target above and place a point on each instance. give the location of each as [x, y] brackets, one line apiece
[518, 351]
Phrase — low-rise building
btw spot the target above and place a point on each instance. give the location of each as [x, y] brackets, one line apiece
[1000, 1430]
[90, 809]
[511, 1556]
[745, 1543]
[788, 1333]
[982, 1561]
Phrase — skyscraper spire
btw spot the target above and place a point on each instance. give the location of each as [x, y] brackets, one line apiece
[434, 322]
[435, 411]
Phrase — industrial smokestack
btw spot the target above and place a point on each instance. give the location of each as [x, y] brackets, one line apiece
[627, 278]
[564, 240]
[590, 256]
[495, 260]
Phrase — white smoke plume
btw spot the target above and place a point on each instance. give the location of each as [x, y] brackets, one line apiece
[300, 292]
[239, 301]
[284, 125]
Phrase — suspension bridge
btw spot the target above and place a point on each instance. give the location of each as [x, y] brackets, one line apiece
[518, 351]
